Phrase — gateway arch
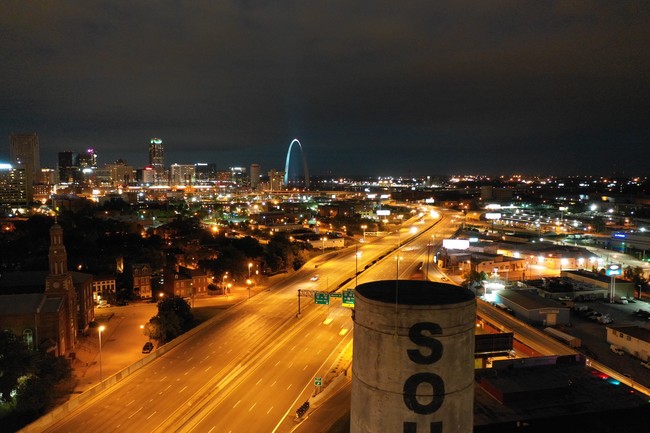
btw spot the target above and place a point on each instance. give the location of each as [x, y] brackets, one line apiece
[304, 164]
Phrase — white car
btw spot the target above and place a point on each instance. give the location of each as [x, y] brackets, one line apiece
[617, 350]
[314, 278]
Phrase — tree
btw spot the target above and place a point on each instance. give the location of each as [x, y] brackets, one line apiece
[16, 361]
[174, 317]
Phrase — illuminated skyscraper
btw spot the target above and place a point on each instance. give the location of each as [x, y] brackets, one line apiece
[255, 175]
[157, 159]
[24, 151]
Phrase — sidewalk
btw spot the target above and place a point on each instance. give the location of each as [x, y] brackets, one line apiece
[123, 337]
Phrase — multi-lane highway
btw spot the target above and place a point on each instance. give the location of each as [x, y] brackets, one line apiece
[251, 368]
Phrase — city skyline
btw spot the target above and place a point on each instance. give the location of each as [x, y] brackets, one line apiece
[372, 89]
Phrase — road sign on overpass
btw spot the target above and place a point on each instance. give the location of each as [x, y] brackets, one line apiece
[321, 298]
[348, 299]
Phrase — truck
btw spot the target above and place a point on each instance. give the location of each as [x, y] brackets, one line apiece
[565, 338]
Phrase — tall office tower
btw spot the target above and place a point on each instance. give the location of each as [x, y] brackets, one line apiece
[205, 171]
[157, 159]
[69, 170]
[182, 174]
[24, 150]
[13, 185]
[276, 180]
[88, 159]
[255, 175]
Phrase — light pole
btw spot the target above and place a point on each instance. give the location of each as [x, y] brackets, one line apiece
[223, 282]
[364, 227]
[356, 265]
[322, 249]
[101, 329]
[250, 265]
[249, 287]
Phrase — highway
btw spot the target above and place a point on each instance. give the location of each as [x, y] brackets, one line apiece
[250, 369]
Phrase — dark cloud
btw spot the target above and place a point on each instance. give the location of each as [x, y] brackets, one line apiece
[377, 87]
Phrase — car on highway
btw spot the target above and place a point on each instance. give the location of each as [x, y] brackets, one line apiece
[315, 278]
[645, 364]
[148, 347]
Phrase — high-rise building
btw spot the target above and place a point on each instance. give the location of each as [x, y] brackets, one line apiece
[24, 151]
[255, 175]
[88, 159]
[182, 174]
[13, 184]
[69, 169]
[157, 159]
[205, 171]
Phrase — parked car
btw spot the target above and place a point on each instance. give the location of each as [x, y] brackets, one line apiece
[617, 350]
[148, 347]
[645, 364]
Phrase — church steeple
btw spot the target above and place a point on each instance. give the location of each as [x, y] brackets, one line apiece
[58, 257]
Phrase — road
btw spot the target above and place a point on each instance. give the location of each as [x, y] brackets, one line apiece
[254, 364]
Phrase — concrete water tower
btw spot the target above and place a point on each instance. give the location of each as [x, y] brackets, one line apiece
[413, 367]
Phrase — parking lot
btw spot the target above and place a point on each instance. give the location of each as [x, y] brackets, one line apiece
[594, 335]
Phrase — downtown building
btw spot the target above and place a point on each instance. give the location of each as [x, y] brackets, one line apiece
[24, 151]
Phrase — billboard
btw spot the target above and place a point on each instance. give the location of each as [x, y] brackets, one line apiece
[456, 244]
[614, 269]
[493, 216]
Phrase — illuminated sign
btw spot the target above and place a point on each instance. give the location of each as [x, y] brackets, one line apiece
[620, 235]
[455, 244]
[613, 270]
[383, 212]
[493, 216]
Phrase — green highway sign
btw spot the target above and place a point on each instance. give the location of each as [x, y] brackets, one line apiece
[318, 381]
[321, 298]
[348, 298]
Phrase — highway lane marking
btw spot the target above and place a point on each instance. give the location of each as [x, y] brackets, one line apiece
[154, 412]
[168, 386]
[205, 358]
[129, 403]
[270, 409]
[289, 386]
[206, 370]
[191, 358]
[305, 367]
[276, 364]
[228, 351]
[236, 404]
[273, 383]
[290, 364]
[319, 351]
[163, 378]
[188, 371]
[306, 348]
[258, 382]
[184, 388]
[130, 416]
[294, 346]
[213, 427]
[252, 406]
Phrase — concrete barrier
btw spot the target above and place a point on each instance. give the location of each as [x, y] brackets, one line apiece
[71, 405]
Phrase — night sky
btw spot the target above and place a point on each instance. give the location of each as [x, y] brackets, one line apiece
[369, 87]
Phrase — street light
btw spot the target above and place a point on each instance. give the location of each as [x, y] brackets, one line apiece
[364, 227]
[322, 249]
[357, 253]
[250, 265]
[223, 282]
[101, 329]
[397, 260]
